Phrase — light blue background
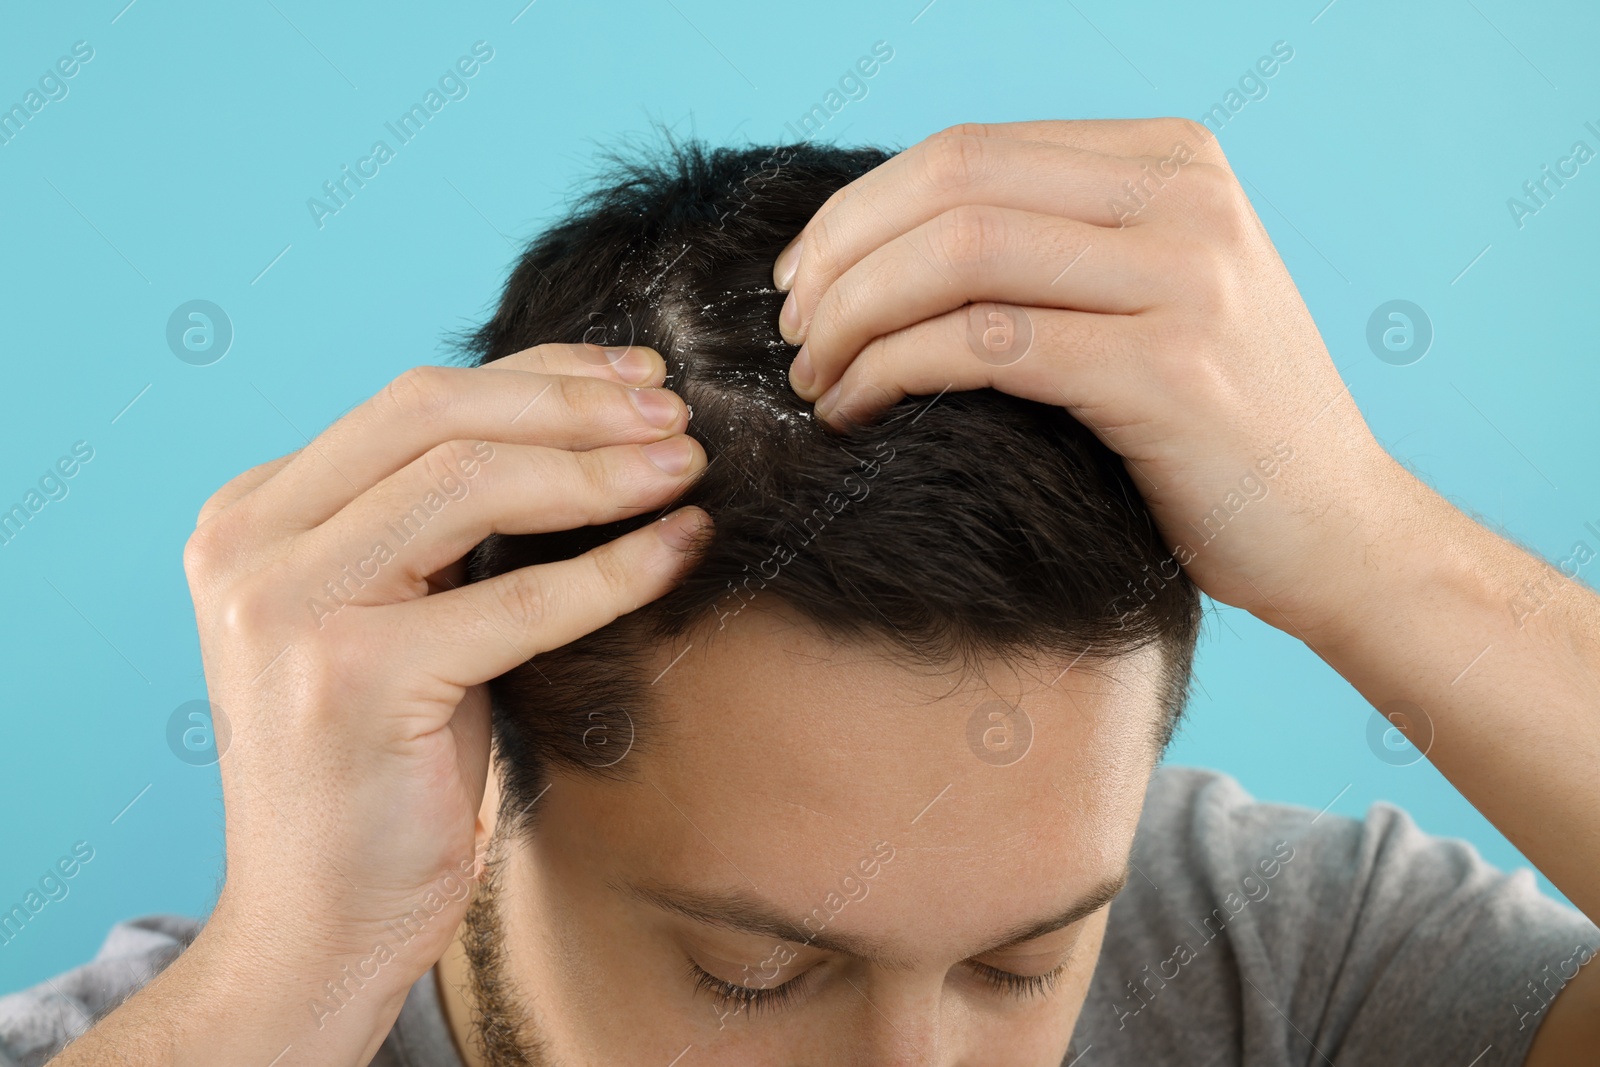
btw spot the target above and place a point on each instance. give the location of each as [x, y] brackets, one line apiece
[180, 163]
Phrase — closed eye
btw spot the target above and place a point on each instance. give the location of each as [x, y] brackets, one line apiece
[774, 998]
[742, 997]
[1021, 986]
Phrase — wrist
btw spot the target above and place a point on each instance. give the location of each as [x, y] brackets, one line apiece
[1403, 546]
[234, 999]
[291, 987]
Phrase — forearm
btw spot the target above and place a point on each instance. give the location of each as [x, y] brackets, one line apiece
[232, 999]
[1501, 651]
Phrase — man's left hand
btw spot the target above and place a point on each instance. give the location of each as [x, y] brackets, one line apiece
[1115, 268]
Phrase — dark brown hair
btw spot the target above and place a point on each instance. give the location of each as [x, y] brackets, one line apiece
[968, 523]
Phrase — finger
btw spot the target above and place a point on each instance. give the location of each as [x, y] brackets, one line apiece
[1116, 137]
[482, 630]
[942, 172]
[1073, 359]
[957, 157]
[976, 253]
[632, 364]
[385, 545]
[629, 364]
[426, 406]
[240, 485]
[1111, 138]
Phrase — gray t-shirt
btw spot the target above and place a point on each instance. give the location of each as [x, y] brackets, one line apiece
[1251, 934]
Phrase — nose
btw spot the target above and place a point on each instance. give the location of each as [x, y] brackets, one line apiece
[900, 1027]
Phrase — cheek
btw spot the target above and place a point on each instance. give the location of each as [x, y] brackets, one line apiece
[548, 932]
[570, 951]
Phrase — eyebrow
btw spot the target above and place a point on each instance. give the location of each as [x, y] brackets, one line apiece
[745, 913]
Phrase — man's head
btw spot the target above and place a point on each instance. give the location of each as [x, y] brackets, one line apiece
[892, 730]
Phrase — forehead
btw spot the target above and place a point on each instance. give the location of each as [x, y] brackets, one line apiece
[771, 682]
[776, 759]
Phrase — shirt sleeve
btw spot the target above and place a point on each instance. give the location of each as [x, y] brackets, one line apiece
[1259, 934]
[36, 1023]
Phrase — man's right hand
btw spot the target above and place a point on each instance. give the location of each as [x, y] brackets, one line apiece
[350, 664]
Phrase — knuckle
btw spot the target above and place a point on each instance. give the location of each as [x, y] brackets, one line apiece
[599, 471]
[540, 359]
[1213, 187]
[420, 393]
[1198, 323]
[219, 501]
[1223, 200]
[839, 307]
[868, 396]
[525, 598]
[961, 129]
[213, 507]
[1207, 275]
[1186, 137]
[1204, 142]
[835, 198]
[1200, 379]
[201, 549]
[965, 235]
[247, 610]
[821, 250]
[951, 164]
[613, 572]
[1187, 131]
[445, 462]
[583, 398]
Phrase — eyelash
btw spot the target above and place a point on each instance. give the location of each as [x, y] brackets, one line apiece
[1022, 986]
[750, 997]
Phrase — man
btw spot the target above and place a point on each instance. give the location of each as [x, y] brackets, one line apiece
[845, 760]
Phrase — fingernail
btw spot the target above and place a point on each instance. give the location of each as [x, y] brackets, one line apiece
[801, 374]
[827, 400]
[787, 263]
[789, 319]
[680, 529]
[656, 405]
[632, 364]
[672, 455]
